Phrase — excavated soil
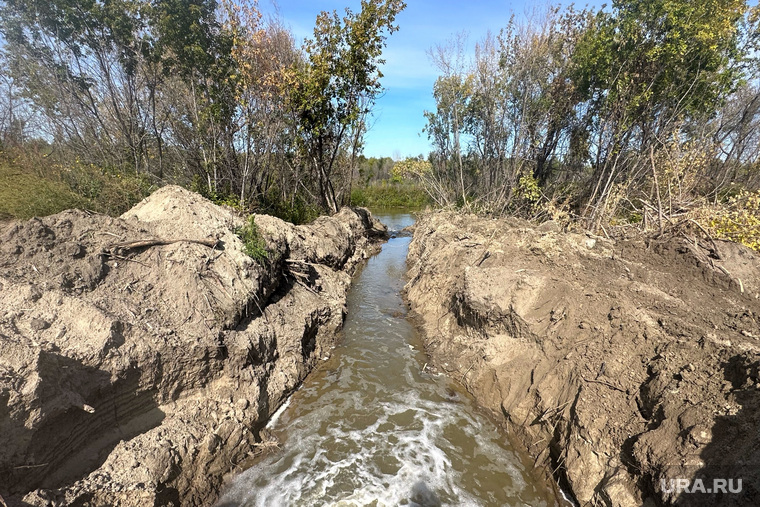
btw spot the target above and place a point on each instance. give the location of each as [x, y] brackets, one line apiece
[623, 365]
[141, 375]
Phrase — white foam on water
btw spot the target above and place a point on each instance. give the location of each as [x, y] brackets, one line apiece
[278, 413]
[341, 467]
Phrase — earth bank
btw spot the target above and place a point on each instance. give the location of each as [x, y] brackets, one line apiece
[140, 356]
[620, 364]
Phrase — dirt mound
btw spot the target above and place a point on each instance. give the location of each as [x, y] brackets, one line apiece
[625, 366]
[140, 356]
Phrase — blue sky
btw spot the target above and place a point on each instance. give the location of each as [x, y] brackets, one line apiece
[409, 74]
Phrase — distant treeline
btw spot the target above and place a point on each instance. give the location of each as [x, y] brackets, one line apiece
[644, 110]
[208, 94]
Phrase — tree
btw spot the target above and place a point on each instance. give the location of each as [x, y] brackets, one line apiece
[334, 88]
[102, 74]
[13, 110]
[508, 114]
[263, 52]
[646, 68]
[452, 91]
[78, 63]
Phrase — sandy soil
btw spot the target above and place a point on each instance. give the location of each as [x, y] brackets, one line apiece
[142, 375]
[621, 365]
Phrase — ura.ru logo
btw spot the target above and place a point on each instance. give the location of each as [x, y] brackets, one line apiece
[698, 485]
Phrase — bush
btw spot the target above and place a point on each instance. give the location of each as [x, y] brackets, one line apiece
[300, 212]
[33, 184]
[107, 190]
[253, 244]
[737, 219]
[390, 195]
[23, 195]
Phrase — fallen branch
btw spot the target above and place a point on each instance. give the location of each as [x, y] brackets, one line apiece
[465, 373]
[267, 445]
[122, 258]
[302, 284]
[145, 243]
[549, 412]
[715, 246]
[297, 261]
[611, 386]
[23, 467]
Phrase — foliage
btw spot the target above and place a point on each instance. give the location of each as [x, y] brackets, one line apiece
[220, 197]
[411, 168]
[24, 195]
[633, 114]
[297, 211]
[529, 191]
[650, 71]
[373, 169]
[263, 53]
[26, 189]
[112, 79]
[439, 187]
[506, 113]
[107, 190]
[253, 244]
[661, 56]
[194, 92]
[333, 90]
[388, 194]
[738, 219]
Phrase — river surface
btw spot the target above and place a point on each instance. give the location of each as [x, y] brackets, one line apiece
[370, 427]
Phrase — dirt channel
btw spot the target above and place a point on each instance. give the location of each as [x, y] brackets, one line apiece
[629, 367]
[141, 374]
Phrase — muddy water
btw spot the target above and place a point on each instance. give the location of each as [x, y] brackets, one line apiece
[370, 427]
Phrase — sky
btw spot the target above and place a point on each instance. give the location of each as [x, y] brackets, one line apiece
[397, 119]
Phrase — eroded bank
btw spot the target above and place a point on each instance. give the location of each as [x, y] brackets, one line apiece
[140, 356]
[623, 365]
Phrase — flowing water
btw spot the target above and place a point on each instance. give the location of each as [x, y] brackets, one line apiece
[371, 427]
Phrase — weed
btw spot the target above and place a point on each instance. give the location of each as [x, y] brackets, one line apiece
[34, 184]
[253, 244]
[24, 195]
[298, 212]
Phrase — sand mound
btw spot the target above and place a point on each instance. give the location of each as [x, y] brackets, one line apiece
[620, 364]
[140, 356]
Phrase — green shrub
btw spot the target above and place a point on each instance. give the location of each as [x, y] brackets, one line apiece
[34, 184]
[24, 195]
[390, 195]
[299, 212]
[221, 197]
[253, 244]
[107, 190]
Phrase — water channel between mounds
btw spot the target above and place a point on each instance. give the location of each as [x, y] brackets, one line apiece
[371, 427]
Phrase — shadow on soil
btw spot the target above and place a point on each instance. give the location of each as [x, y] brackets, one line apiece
[86, 416]
[732, 458]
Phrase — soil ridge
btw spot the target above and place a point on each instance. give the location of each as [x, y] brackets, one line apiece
[141, 356]
[621, 365]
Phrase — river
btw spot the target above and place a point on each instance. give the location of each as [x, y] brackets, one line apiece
[371, 427]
